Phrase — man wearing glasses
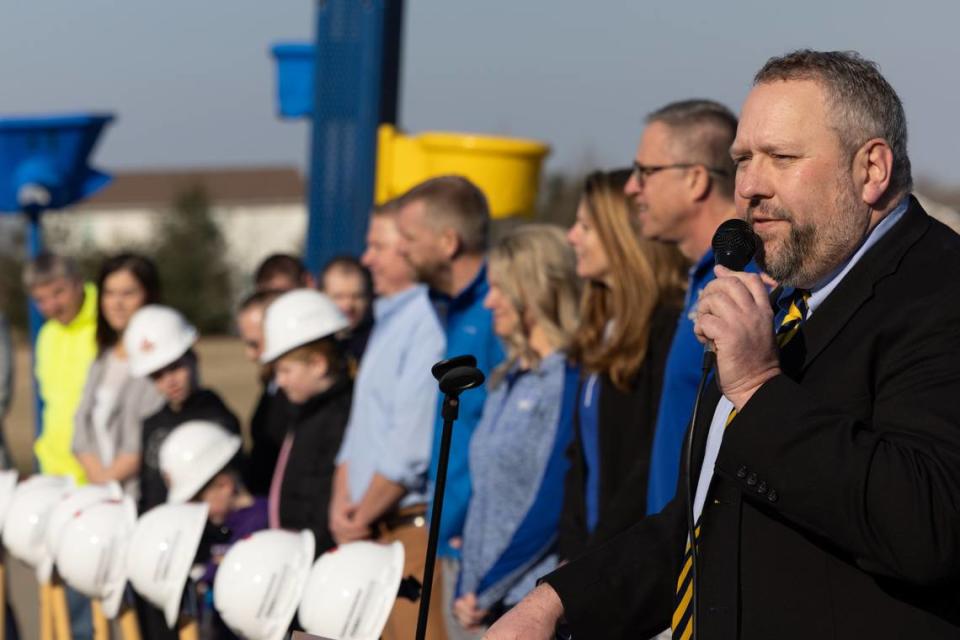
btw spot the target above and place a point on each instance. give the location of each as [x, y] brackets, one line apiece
[682, 189]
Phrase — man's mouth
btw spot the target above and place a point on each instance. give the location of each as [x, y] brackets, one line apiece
[761, 220]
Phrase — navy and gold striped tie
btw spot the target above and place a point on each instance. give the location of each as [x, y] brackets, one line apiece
[793, 310]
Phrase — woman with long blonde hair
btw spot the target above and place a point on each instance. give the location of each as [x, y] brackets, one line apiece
[632, 296]
[517, 462]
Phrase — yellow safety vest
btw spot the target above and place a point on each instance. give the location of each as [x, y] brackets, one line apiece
[63, 357]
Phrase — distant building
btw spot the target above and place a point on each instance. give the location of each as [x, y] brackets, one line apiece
[259, 211]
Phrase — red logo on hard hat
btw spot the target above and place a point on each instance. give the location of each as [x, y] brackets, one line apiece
[146, 346]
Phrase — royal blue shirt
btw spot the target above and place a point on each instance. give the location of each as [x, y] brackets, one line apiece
[588, 414]
[469, 330]
[681, 377]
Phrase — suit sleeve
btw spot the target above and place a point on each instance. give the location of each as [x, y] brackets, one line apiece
[884, 490]
[625, 587]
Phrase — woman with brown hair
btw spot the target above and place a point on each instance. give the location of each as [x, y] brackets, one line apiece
[632, 296]
[108, 422]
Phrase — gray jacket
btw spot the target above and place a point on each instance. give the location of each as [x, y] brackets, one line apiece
[137, 399]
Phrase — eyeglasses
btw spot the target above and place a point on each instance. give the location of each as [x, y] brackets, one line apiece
[642, 171]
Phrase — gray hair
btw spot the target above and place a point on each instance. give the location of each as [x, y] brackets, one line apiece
[48, 267]
[704, 130]
[456, 202]
[863, 105]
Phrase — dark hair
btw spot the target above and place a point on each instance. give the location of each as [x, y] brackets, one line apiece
[144, 271]
[456, 202]
[261, 298]
[861, 102]
[347, 264]
[280, 264]
[705, 130]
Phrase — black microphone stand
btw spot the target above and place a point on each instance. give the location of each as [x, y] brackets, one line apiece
[455, 375]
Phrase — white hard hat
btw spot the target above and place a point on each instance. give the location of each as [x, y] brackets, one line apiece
[26, 524]
[93, 546]
[155, 337]
[78, 499]
[161, 552]
[260, 581]
[297, 318]
[351, 591]
[194, 453]
[8, 483]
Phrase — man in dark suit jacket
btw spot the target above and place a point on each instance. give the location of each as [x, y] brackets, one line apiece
[829, 506]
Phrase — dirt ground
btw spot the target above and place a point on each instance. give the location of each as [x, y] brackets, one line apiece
[223, 368]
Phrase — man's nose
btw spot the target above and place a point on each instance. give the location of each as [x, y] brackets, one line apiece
[752, 181]
[633, 186]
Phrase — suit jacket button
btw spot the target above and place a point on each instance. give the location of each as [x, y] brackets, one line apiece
[762, 487]
[752, 479]
[772, 496]
[742, 472]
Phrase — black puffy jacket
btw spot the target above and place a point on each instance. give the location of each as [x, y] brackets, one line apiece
[318, 426]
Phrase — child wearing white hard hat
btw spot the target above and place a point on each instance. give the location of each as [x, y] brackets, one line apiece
[313, 372]
[201, 462]
[159, 342]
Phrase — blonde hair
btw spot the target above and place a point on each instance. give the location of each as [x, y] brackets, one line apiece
[535, 269]
[645, 274]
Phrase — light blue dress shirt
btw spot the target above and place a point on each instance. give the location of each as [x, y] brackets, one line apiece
[390, 430]
[817, 295]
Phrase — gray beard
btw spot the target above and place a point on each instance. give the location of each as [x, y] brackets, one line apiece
[788, 265]
[809, 253]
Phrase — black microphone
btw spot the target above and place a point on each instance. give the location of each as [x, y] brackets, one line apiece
[734, 244]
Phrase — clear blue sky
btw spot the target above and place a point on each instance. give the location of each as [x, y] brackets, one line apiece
[192, 83]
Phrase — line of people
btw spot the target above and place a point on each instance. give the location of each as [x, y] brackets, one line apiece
[567, 445]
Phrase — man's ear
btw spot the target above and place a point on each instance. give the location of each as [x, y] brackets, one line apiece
[873, 170]
[449, 242]
[698, 182]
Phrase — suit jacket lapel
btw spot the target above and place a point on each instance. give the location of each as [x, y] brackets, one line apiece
[857, 286]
